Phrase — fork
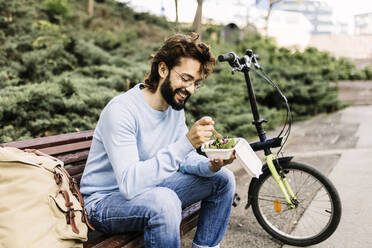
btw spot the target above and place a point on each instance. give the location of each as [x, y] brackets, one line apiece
[217, 134]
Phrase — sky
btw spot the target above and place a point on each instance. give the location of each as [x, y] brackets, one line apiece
[343, 10]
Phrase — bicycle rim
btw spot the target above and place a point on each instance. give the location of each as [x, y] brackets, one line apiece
[314, 219]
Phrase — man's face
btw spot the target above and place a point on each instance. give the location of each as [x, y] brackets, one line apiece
[179, 85]
[172, 96]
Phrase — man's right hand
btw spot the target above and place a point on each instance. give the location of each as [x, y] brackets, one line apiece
[201, 131]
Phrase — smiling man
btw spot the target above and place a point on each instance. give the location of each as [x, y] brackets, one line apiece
[143, 168]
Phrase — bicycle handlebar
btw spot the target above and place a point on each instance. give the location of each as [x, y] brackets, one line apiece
[244, 64]
[240, 64]
[229, 57]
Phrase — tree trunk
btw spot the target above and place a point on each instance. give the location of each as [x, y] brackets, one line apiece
[266, 28]
[197, 24]
[176, 2]
[272, 3]
[90, 7]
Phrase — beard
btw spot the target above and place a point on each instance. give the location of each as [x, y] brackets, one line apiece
[169, 94]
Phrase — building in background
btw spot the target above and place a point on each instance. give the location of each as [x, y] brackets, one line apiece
[318, 13]
[363, 24]
[290, 29]
[341, 27]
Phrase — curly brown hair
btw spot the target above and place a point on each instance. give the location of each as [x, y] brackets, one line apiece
[175, 47]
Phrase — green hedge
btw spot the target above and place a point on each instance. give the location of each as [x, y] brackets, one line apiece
[61, 67]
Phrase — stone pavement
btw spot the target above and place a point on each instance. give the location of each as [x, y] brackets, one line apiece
[352, 178]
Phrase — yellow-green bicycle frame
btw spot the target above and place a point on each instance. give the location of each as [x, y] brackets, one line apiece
[281, 181]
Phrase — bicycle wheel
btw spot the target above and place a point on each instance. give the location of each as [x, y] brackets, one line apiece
[314, 219]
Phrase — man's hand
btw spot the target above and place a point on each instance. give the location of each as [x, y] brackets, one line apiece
[201, 131]
[216, 164]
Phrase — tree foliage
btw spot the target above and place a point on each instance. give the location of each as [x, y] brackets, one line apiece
[60, 67]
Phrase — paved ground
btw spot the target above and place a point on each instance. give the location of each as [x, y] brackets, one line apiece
[338, 144]
[357, 92]
[352, 178]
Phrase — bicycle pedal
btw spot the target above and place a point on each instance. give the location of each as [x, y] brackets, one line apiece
[236, 200]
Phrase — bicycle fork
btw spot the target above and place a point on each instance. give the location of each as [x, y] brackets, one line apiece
[285, 188]
[282, 182]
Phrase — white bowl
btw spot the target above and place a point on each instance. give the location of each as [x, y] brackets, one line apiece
[245, 156]
[218, 153]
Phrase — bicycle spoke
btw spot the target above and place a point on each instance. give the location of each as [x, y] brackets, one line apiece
[312, 215]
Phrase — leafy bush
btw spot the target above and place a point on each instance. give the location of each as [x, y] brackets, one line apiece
[61, 67]
[368, 72]
[57, 10]
[48, 108]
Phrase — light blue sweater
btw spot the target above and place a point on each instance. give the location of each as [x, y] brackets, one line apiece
[135, 147]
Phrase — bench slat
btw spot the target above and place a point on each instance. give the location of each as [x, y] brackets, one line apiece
[49, 141]
[136, 243]
[76, 169]
[118, 241]
[190, 217]
[78, 179]
[74, 157]
[94, 240]
[190, 209]
[189, 223]
[55, 150]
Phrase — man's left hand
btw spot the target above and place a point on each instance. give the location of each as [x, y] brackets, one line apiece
[216, 164]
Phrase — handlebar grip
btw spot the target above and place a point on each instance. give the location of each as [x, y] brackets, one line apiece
[229, 57]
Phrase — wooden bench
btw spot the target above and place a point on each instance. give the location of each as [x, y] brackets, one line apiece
[73, 149]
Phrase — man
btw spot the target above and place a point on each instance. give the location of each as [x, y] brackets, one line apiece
[142, 167]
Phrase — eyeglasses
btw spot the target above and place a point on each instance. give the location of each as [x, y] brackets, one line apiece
[189, 81]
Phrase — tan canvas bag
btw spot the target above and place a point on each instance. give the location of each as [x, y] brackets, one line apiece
[40, 204]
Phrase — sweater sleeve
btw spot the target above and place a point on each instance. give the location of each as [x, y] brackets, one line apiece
[196, 164]
[118, 133]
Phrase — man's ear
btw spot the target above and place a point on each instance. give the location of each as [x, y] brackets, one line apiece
[163, 70]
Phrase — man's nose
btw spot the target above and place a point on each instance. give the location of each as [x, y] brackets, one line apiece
[190, 89]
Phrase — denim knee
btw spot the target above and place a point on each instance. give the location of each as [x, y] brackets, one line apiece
[166, 207]
[226, 181]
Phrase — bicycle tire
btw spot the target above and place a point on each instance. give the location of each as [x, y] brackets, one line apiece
[278, 224]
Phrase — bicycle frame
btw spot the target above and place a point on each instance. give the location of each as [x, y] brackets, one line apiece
[244, 65]
[269, 157]
[266, 200]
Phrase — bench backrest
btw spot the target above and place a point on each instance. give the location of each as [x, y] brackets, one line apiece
[71, 148]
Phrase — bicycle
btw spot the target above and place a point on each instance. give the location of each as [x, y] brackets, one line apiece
[293, 202]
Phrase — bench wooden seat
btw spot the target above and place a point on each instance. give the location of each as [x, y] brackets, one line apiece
[73, 149]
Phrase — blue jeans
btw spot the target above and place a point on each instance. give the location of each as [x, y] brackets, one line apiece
[158, 211]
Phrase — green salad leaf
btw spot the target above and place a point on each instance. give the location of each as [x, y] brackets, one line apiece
[224, 143]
